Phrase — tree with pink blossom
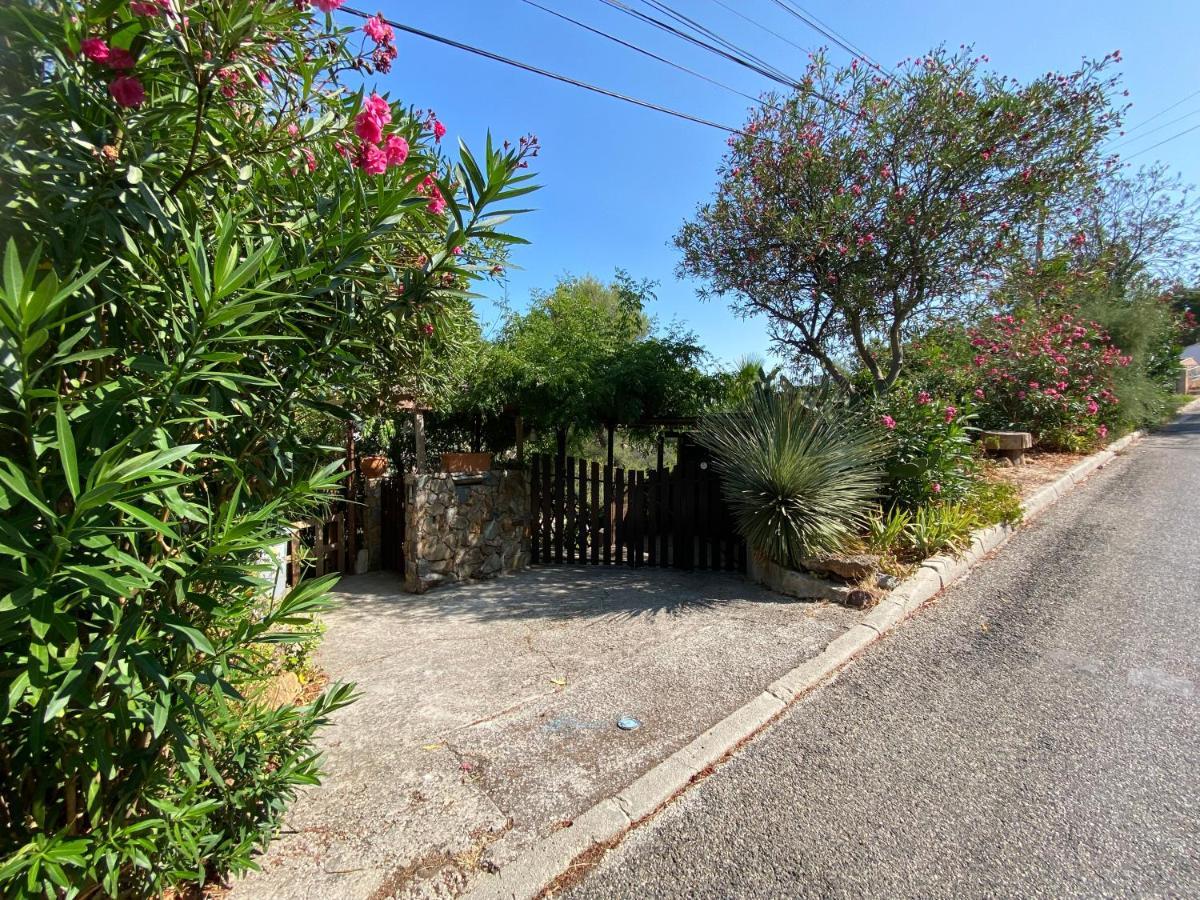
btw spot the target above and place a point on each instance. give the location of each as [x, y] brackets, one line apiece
[865, 203]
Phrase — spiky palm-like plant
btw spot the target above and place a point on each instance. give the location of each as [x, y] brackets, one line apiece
[798, 470]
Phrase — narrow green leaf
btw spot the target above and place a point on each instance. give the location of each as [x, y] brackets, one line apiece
[66, 449]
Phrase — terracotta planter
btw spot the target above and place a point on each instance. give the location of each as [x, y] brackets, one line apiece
[466, 462]
[374, 466]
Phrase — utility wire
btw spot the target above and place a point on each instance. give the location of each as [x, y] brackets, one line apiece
[775, 76]
[759, 25]
[1142, 124]
[641, 50]
[705, 31]
[814, 23]
[1164, 141]
[546, 73]
[1156, 128]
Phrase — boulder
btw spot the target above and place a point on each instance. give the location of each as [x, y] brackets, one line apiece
[851, 567]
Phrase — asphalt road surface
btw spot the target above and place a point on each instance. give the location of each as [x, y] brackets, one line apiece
[1033, 733]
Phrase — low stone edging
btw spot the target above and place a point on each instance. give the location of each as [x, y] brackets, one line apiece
[604, 824]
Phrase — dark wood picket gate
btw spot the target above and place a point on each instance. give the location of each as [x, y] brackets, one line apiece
[391, 523]
[586, 513]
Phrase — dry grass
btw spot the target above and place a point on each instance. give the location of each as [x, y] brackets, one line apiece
[1041, 468]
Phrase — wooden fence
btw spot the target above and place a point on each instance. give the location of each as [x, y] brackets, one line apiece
[585, 513]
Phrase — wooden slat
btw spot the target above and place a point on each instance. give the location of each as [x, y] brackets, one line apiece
[547, 511]
[664, 518]
[535, 506]
[583, 515]
[608, 514]
[558, 512]
[638, 512]
[619, 515]
[569, 527]
[651, 495]
[597, 531]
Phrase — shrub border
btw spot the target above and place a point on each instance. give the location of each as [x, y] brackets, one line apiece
[565, 856]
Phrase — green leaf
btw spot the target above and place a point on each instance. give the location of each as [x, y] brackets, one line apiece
[66, 449]
[133, 175]
[194, 636]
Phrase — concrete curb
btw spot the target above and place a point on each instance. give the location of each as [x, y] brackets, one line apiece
[605, 823]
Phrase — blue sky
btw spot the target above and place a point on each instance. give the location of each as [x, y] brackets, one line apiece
[618, 180]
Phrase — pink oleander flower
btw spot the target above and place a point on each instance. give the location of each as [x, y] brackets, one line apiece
[379, 108]
[310, 160]
[95, 49]
[1102, 431]
[396, 148]
[127, 91]
[147, 7]
[427, 328]
[378, 30]
[888, 422]
[951, 412]
[119, 60]
[328, 6]
[936, 487]
[457, 251]
[437, 205]
[371, 159]
[979, 393]
[367, 127]
[439, 130]
[923, 397]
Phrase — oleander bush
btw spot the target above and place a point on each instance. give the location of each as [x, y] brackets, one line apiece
[930, 456]
[213, 238]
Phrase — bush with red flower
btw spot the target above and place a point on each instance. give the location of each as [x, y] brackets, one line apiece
[1050, 373]
[218, 241]
[930, 457]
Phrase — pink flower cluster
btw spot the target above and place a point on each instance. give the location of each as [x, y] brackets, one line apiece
[126, 90]
[376, 153]
[1050, 374]
[383, 35]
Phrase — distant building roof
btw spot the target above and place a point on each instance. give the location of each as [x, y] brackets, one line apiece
[1190, 353]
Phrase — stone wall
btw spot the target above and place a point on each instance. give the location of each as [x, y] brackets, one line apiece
[460, 527]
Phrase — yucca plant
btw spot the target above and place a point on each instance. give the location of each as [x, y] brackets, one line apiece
[799, 473]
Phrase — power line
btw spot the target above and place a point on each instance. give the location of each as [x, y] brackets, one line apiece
[1161, 112]
[759, 25]
[1164, 141]
[641, 50]
[775, 76]
[1157, 128]
[817, 25]
[704, 30]
[546, 73]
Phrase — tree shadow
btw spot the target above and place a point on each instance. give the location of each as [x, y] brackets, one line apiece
[551, 592]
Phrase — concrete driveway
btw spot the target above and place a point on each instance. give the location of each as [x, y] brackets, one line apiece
[488, 714]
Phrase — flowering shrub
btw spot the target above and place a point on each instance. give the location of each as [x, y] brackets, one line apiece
[1051, 374]
[930, 456]
[211, 239]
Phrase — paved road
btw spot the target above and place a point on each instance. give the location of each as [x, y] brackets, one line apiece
[1035, 733]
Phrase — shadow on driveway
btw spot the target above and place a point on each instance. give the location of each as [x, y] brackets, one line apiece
[488, 713]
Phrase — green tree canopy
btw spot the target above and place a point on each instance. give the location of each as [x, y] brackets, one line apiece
[585, 354]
